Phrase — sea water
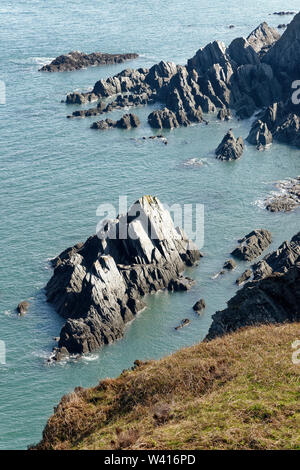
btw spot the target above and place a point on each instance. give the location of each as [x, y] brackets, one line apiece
[55, 172]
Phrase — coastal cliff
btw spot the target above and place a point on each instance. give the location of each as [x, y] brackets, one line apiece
[98, 286]
[240, 391]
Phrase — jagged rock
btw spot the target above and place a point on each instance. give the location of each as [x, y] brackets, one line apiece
[288, 201]
[213, 53]
[199, 306]
[280, 260]
[244, 277]
[98, 287]
[163, 118]
[183, 323]
[229, 265]
[127, 121]
[181, 284]
[224, 114]
[252, 245]
[76, 60]
[23, 307]
[262, 38]
[260, 135]
[275, 299]
[80, 98]
[285, 54]
[230, 148]
[241, 51]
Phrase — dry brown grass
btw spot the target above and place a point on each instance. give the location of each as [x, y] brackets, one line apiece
[237, 392]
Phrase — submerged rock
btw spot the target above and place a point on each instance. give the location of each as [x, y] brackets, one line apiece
[99, 286]
[76, 60]
[230, 148]
[252, 245]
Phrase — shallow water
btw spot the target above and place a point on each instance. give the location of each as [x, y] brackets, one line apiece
[55, 172]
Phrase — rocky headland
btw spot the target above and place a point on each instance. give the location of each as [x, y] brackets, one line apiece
[98, 286]
[76, 60]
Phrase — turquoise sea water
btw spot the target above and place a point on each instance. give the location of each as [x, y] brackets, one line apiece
[55, 172]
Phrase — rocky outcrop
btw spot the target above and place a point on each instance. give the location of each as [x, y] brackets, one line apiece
[215, 79]
[280, 260]
[284, 56]
[163, 118]
[98, 286]
[241, 51]
[252, 245]
[23, 307]
[287, 198]
[76, 60]
[275, 299]
[230, 148]
[183, 323]
[262, 38]
[282, 13]
[199, 306]
[272, 297]
[128, 121]
[230, 265]
[260, 135]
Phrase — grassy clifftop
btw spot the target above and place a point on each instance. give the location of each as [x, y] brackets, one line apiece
[241, 391]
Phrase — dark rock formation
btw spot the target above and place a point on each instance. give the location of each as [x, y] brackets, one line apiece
[282, 13]
[279, 261]
[281, 26]
[288, 201]
[163, 118]
[229, 265]
[273, 296]
[252, 245]
[230, 148]
[98, 286]
[183, 323]
[216, 78]
[275, 299]
[241, 51]
[181, 284]
[260, 135]
[127, 121]
[244, 277]
[284, 56]
[224, 114]
[199, 306]
[76, 60]
[23, 307]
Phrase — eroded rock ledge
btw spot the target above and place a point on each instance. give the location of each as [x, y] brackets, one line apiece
[272, 297]
[76, 60]
[98, 286]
